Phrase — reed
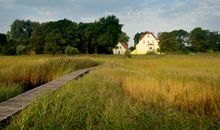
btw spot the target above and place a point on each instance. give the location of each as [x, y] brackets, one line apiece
[142, 92]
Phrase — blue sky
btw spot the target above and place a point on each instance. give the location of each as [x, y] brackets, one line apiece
[135, 15]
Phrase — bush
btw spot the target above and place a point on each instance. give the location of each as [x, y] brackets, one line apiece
[128, 53]
[20, 49]
[71, 50]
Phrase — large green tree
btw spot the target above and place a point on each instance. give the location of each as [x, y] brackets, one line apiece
[198, 40]
[182, 38]
[168, 42]
[110, 33]
[53, 37]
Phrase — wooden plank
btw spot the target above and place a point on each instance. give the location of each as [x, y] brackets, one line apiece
[14, 105]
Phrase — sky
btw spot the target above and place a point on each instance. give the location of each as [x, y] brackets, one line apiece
[135, 15]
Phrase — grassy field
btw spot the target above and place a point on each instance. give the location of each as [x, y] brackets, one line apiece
[142, 92]
[21, 73]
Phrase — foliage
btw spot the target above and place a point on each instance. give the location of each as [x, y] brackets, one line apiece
[168, 42]
[137, 38]
[3, 41]
[128, 53]
[71, 50]
[132, 48]
[21, 49]
[182, 38]
[8, 91]
[198, 40]
[124, 37]
[53, 37]
[9, 48]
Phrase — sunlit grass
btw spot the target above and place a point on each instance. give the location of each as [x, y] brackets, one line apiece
[142, 92]
[32, 73]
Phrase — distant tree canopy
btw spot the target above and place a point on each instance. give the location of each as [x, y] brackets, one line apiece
[198, 40]
[124, 37]
[3, 41]
[27, 37]
[168, 42]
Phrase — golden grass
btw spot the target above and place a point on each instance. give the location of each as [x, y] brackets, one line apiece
[189, 83]
[31, 71]
[142, 92]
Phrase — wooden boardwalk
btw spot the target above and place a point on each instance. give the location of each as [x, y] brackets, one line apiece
[14, 105]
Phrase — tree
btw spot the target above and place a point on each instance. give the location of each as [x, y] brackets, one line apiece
[21, 31]
[168, 42]
[108, 31]
[3, 41]
[213, 41]
[54, 43]
[198, 40]
[182, 38]
[137, 38]
[71, 50]
[9, 48]
[37, 40]
[123, 37]
[21, 49]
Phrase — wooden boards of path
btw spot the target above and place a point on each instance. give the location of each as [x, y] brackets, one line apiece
[14, 105]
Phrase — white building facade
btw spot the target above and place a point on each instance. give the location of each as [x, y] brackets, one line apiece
[148, 43]
[120, 49]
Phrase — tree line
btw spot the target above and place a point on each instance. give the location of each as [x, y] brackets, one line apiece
[181, 41]
[62, 36]
[66, 36]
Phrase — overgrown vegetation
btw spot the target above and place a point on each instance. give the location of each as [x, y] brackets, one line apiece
[27, 76]
[28, 37]
[147, 92]
[181, 41]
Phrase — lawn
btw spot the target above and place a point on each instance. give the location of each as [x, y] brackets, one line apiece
[142, 92]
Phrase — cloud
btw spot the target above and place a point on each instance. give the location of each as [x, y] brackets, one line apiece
[135, 15]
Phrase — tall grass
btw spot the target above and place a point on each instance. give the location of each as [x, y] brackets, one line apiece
[34, 74]
[8, 91]
[168, 92]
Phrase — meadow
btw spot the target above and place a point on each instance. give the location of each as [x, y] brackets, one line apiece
[141, 92]
[22, 73]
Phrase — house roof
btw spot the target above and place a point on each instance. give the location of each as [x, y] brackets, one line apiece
[125, 45]
[142, 36]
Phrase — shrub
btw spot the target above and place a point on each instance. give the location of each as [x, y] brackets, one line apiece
[20, 49]
[128, 53]
[71, 50]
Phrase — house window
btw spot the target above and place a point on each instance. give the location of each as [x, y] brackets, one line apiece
[150, 48]
[118, 52]
[120, 47]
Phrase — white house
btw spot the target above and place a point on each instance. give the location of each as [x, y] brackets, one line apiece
[120, 48]
[147, 43]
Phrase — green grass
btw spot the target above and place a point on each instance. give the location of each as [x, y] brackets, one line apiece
[9, 91]
[142, 92]
[36, 71]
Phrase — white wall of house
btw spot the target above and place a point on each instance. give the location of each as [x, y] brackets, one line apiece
[147, 44]
[119, 49]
